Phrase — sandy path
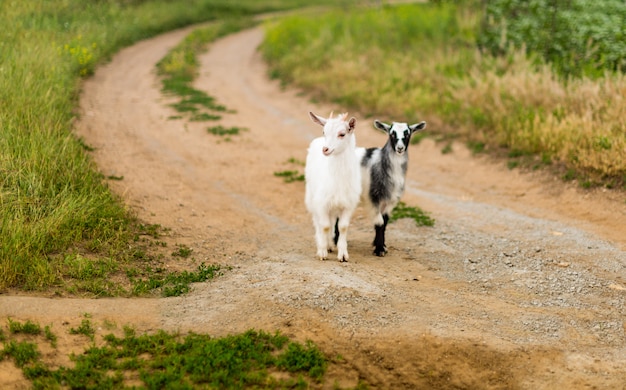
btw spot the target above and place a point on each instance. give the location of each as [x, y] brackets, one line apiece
[520, 284]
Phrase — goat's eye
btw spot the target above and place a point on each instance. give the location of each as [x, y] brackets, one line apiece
[341, 135]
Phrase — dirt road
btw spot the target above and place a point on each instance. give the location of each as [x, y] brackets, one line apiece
[521, 283]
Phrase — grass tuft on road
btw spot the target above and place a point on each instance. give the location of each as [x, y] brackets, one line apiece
[179, 68]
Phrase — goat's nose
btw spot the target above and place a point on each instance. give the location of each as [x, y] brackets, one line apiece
[325, 150]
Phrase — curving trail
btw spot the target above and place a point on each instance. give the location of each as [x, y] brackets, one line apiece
[520, 284]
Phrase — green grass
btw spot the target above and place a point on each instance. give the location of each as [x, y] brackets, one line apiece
[573, 37]
[50, 336]
[476, 147]
[57, 213]
[225, 131]
[85, 328]
[28, 327]
[179, 68]
[421, 61]
[182, 251]
[253, 359]
[420, 217]
[447, 149]
[22, 352]
[291, 175]
[167, 283]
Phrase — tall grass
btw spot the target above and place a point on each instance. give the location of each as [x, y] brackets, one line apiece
[580, 123]
[53, 202]
[421, 61]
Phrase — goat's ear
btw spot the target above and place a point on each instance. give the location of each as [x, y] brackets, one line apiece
[382, 126]
[417, 127]
[351, 124]
[317, 119]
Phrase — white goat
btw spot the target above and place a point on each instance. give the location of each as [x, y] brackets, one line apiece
[383, 173]
[333, 183]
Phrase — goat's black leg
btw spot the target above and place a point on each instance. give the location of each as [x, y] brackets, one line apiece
[379, 241]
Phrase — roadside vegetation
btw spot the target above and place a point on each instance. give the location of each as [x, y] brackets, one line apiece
[61, 227]
[539, 85]
[63, 231]
[116, 358]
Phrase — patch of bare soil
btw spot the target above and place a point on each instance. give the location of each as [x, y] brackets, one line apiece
[520, 284]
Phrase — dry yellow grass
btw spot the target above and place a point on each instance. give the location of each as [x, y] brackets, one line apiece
[579, 122]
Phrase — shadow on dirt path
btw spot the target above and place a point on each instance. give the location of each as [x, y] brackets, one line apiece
[520, 283]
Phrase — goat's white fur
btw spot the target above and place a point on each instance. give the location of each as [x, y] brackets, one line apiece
[333, 182]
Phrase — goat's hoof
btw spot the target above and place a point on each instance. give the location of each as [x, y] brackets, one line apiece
[380, 252]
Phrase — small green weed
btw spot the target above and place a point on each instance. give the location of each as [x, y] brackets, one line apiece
[182, 251]
[51, 337]
[223, 131]
[152, 230]
[514, 153]
[303, 358]
[570, 175]
[512, 164]
[116, 178]
[447, 149]
[22, 352]
[290, 176]
[476, 147]
[83, 145]
[27, 327]
[295, 161]
[172, 283]
[420, 217]
[85, 328]
[203, 116]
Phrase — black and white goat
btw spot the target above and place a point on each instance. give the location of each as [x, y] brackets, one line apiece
[383, 172]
